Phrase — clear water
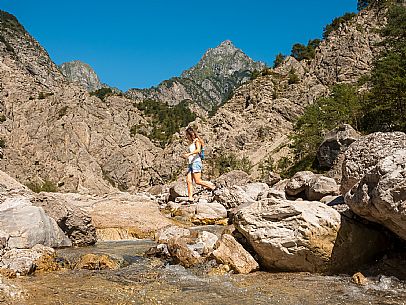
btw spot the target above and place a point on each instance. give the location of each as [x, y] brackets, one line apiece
[152, 281]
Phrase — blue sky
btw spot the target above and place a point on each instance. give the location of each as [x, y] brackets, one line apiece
[139, 43]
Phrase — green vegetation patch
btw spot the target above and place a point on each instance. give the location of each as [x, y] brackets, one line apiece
[102, 93]
[225, 162]
[44, 95]
[293, 78]
[165, 120]
[386, 103]
[300, 51]
[335, 24]
[381, 108]
[278, 60]
[46, 186]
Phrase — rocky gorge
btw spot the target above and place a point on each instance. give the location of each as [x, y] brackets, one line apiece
[101, 210]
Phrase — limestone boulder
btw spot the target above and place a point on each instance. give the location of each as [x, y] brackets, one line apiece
[184, 254]
[23, 261]
[235, 177]
[92, 261]
[334, 143]
[232, 196]
[209, 212]
[277, 194]
[320, 187]
[74, 222]
[165, 234]
[363, 156]
[204, 243]
[253, 190]
[290, 235]
[310, 186]
[118, 216]
[373, 181]
[185, 247]
[299, 182]
[230, 252]
[307, 236]
[178, 189]
[28, 225]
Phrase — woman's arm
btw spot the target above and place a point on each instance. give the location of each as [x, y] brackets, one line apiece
[197, 150]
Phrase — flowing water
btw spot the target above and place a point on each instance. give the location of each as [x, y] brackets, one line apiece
[153, 281]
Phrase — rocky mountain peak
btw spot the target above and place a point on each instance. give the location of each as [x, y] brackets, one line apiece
[209, 83]
[82, 74]
[224, 61]
[226, 47]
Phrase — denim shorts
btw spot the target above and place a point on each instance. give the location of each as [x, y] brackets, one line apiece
[195, 167]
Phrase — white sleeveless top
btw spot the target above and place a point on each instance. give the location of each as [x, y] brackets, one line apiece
[195, 157]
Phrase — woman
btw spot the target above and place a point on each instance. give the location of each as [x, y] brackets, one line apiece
[194, 172]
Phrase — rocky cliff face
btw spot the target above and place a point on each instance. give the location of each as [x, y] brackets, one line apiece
[31, 57]
[255, 122]
[210, 83]
[54, 131]
[82, 74]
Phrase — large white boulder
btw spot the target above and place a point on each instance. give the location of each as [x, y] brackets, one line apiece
[306, 236]
[374, 179]
[28, 225]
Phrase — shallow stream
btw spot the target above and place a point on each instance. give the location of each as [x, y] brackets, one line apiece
[153, 281]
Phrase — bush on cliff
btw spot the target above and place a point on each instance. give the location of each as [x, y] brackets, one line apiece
[45, 186]
[343, 105]
[335, 24]
[226, 162]
[300, 51]
[386, 104]
[102, 93]
[381, 108]
[278, 60]
[165, 119]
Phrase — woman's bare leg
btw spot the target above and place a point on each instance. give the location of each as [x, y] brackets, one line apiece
[189, 182]
[198, 179]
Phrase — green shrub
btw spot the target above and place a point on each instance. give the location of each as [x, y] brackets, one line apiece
[256, 73]
[133, 130]
[165, 120]
[244, 164]
[293, 78]
[102, 93]
[62, 112]
[343, 105]
[46, 186]
[385, 106]
[8, 46]
[278, 60]
[44, 95]
[226, 162]
[2, 143]
[3, 118]
[335, 24]
[300, 51]
[266, 166]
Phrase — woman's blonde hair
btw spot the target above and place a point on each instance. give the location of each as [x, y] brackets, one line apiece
[190, 131]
